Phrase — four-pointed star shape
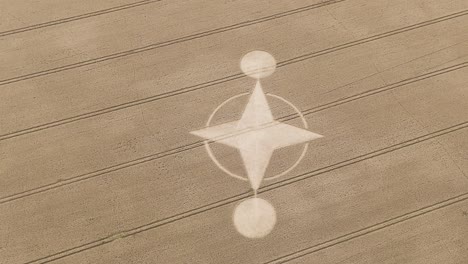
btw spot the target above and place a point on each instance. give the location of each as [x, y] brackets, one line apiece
[256, 135]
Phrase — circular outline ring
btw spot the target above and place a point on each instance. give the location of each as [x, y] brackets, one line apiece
[215, 160]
